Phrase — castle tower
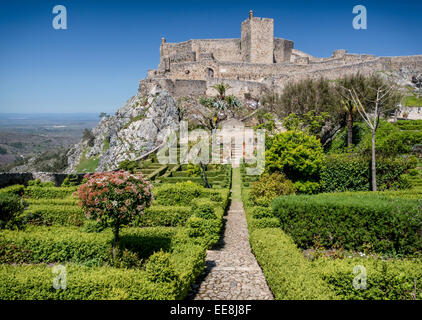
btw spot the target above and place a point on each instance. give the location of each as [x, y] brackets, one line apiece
[257, 41]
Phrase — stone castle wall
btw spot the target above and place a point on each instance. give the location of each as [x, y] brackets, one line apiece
[255, 63]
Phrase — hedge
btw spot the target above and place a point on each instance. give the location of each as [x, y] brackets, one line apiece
[168, 216]
[348, 172]
[386, 280]
[16, 189]
[42, 214]
[288, 274]
[265, 223]
[179, 194]
[24, 282]
[70, 244]
[37, 192]
[352, 222]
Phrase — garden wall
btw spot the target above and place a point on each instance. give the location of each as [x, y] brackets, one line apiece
[9, 179]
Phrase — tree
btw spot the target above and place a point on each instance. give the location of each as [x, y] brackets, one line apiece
[115, 199]
[102, 115]
[386, 100]
[350, 110]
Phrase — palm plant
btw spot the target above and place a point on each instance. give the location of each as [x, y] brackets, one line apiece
[221, 89]
[350, 109]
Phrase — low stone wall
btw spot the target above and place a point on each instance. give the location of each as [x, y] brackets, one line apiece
[9, 178]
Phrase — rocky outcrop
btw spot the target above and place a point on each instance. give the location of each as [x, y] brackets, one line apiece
[139, 126]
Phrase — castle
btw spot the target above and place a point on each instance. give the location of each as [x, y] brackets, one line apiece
[255, 63]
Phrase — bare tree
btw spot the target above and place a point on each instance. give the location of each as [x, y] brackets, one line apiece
[386, 101]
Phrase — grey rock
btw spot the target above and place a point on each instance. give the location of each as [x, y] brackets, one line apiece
[139, 126]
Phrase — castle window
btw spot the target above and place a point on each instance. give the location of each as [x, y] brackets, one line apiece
[210, 72]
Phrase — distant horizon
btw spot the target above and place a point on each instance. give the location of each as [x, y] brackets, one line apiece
[95, 65]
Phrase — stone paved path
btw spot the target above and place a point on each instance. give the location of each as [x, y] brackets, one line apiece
[232, 272]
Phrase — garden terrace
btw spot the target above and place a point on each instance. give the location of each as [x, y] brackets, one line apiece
[160, 253]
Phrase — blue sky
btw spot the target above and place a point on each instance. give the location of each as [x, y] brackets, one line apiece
[95, 64]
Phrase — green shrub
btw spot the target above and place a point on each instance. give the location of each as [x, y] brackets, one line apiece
[296, 154]
[179, 194]
[352, 221]
[159, 269]
[16, 189]
[271, 186]
[307, 187]
[11, 208]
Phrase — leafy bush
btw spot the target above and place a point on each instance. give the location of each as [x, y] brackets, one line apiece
[307, 187]
[271, 186]
[299, 156]
[11, 207]
[352, 221]
[159, 269]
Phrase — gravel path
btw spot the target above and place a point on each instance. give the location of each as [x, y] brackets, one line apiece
[232, 272]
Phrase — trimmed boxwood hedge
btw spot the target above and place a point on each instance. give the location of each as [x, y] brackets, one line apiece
[34, 282]
[37, 192]
[385, 279]
[352, 221]
[70, 244]
[289, 275]
[168, 216]
[65, 215]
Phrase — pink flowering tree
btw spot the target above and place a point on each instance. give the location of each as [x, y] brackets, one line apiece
[115, 198]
